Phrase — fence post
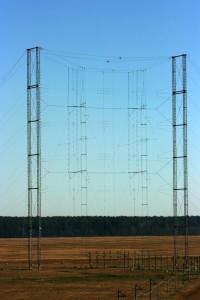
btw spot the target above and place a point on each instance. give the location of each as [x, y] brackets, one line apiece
[104, 259]
[167, 262]
[118, 294]
[149, 261]
[137, 288]
[151, 282]
[161, 262]
[90, 260]
[128, 258]
[97, 260]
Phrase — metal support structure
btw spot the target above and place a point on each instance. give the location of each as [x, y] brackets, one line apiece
[34, 151]
[180, 168]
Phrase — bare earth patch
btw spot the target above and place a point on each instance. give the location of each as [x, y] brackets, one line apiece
[66, 273]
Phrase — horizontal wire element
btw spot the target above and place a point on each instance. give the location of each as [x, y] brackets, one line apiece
[95, 107]
[82, 55]
[117, 172]
[68, 59]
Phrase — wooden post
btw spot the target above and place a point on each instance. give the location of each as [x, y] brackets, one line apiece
[142, 260]
[97, 260]
[149, 261]
[134, 260]
[161, 262]
[198, 264]
[152, 282]
[167, 262]
[137, 288]
[90, 260]
[128, 258]
[120, 259]
[118, 294]
[104, 259]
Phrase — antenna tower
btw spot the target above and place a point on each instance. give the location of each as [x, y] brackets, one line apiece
[180, 168]
[34, 151]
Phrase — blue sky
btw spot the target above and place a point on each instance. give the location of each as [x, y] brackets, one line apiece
[137, 28]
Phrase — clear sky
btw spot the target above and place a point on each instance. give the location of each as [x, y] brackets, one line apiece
[111, 29]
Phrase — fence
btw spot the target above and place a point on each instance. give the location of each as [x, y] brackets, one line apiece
[160, 287]
[142, 261]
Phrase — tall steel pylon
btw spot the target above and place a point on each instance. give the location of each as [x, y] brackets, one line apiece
[180, 167]
[34, 152]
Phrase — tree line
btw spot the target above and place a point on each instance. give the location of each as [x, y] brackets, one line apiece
[17, 227]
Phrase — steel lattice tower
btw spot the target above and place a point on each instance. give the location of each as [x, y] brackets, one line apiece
[180, 168]
[34, 151]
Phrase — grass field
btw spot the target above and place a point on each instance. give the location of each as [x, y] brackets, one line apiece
[66, 273]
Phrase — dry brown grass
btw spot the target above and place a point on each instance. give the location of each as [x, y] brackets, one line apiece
[65, 273]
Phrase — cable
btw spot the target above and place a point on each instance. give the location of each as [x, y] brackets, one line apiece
[77, 54]
[67, 58]
[5, 78]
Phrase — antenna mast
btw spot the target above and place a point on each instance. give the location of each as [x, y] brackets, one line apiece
[180, 167]
[34, 150]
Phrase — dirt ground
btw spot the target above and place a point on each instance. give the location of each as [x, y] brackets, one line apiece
[67, 274]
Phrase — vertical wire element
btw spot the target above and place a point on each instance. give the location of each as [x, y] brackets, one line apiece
[34, 150]
[146, 137]
[134, 141]
[144, 153]
[83, 123]
[141, 152]
[137, 150]
[74, 141]
[77, 139]
[129, 138]
[137, 140]
[131, 141]
[69, 154]
[104, 144]
[77, 116]
[113, 142]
